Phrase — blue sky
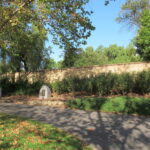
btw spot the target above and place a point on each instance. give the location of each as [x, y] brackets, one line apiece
[107, 31]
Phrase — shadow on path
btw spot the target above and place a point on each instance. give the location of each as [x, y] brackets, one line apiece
[103, 131]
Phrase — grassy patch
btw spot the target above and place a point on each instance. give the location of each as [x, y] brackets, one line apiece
[21, 134]
[117, 104]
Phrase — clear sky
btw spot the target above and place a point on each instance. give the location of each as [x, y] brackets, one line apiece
[107, 31]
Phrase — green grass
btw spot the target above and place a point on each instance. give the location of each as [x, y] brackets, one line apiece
[126, 105]
[22, 134]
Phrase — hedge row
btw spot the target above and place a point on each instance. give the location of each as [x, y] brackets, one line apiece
[20, 87]
[106, 84]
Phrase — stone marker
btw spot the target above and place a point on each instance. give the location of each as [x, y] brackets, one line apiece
[44, 92]
[0, 92]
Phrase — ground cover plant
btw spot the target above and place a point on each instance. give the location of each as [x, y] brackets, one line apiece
[20, 134]
[128, 105]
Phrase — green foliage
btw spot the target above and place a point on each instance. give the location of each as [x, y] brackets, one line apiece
[71, 55]
[106, 84]
[142, 40]
[124, 83]
[90, 57]
[20, 133]
[142, 81]
[136, 12]
[59, 64]
[7, 86]
[131, 12]
[107, 55]
[26, 51]
[3, 67]
[67, 85]
[20, 87]
[66, 21]
[118, 54]
[129, 105]
[50, 63]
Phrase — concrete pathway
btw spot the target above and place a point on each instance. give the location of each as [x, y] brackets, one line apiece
[103, 131]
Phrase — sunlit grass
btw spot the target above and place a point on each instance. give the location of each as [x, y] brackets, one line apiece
[128, 105]
[22, 134]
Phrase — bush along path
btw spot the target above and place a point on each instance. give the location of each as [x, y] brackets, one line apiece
[103, 131]
[127, 105]
[106, 84]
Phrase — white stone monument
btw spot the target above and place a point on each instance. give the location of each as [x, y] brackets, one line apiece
[0, 92]
[44, 92]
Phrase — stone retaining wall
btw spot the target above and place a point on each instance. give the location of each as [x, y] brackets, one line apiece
[50, 76]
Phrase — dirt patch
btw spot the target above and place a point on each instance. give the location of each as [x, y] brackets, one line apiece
[17, 98]
[60, 97]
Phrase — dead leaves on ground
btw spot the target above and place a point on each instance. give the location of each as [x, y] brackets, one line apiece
[19, 133]
[23, 128]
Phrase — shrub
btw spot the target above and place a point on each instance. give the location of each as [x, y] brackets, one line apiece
[7, 86]
[106, 84]
[86, 103]
[123, 83]
[20, 87]
[126, 105]
[142, 82]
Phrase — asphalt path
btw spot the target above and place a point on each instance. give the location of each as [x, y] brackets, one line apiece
[103, 131]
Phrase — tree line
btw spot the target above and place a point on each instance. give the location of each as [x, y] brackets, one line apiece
[25, 26]
[89, 56]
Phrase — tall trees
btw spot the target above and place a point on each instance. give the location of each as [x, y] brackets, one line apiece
[119, 54]
[90, 57]
[142, 40]
[131, 12]
[67, 21]
[71, 55]
[137, 12]
[50, 63]
[112, 54]
[26, 49]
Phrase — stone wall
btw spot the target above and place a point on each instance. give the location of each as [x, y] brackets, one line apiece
[50, 76]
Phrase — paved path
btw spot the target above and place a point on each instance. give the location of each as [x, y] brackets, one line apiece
[102, 130]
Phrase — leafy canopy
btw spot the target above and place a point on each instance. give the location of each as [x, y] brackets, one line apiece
[112, 54]
[131, 12]
[67, 21]
[142, 40]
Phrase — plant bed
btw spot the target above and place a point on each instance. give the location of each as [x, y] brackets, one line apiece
[19, 133]
[32, 100]
[61, 100]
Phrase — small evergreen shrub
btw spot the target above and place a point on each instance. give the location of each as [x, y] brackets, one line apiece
[142, 82]
[106, 84]
[7, 86]
[123, 83]
[20, 87]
